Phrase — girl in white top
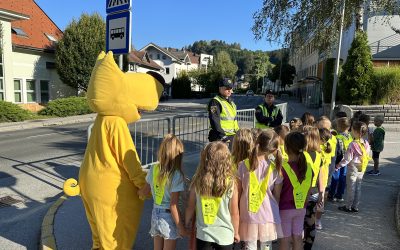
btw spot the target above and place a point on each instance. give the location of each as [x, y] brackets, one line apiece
[356, 159]
[214, 197]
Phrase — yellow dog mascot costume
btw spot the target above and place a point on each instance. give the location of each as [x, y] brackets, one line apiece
[111, 172]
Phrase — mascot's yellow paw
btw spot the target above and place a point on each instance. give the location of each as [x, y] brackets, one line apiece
[71, 187]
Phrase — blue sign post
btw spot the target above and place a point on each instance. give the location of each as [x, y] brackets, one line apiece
[118, 26]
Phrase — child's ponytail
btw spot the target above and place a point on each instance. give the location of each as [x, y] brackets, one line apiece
[302, 164]
[325, 136]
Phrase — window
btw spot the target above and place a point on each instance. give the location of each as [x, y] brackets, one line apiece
[158, 56]
[164, 57]
[167, 71]
[44, 91]
[18, 31]
[17, 90]
[51, 38]
[30, 91]
[151, 56]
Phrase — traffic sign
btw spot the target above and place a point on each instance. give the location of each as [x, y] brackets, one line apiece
[118, 5]
[118, 35]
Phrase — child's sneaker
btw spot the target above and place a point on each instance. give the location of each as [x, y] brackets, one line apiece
[354, 210]
[318, 225]
[374, 173]
[345, 209]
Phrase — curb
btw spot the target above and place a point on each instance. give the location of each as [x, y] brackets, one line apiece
[397, 213]
[47, 239]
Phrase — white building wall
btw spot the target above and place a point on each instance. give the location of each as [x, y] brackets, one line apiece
[33, 67]
[8, 84]
[164, 61]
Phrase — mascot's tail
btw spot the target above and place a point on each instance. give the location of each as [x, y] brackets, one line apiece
[71, 187]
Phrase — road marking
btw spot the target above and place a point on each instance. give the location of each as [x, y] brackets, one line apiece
[392, 142]
[35, 136]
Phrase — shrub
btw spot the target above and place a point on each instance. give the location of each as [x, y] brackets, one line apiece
[386, 85]
[67, 107]
[357, 72]
[181, 86]
[10, 112]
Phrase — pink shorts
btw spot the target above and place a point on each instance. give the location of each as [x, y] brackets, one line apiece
[292, 222]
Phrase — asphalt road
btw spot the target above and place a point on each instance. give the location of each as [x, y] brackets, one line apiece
[35, 162]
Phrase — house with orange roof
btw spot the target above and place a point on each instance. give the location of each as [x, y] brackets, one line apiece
[27, 60]
[173, 61]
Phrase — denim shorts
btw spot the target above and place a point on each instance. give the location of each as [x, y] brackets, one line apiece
[163, 225]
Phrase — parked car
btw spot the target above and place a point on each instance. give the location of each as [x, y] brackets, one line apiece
[250, 93]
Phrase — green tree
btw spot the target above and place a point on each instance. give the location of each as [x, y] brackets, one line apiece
[181, 86]
[294, 20]
[77, 51]
[223, 66]
[356, 79]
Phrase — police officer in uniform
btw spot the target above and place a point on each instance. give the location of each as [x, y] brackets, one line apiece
[267, 114]
[222, 114]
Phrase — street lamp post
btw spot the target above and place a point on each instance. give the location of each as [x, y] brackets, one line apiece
[335, 79]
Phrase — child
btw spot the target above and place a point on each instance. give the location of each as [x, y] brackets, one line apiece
[282, 131]
[307, 119]
[326, 157]
[242, 146]
[377, 138]
[338, 180]
[255, 132]
[295, 124]
[316, 196]
[356, 159]
[259, 187]
[297, 178]
[214, 196]
[324, 123]
[166, 181]
[365, 119]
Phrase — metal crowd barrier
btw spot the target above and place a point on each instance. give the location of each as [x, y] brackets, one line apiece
[192, 129]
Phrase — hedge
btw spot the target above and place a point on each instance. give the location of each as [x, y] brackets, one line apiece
[386, 85]
[67, 107]
[10, 112]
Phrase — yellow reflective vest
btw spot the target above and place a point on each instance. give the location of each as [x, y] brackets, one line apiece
[315, 165]
[228, 116]
[158, 186]
[300, 190]
[257, 190]
[346, 140]
[264, 110]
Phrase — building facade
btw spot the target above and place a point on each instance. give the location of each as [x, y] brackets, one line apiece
[27, 66]
[309, 62]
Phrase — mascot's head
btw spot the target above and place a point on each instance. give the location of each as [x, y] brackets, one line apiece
[114, 93]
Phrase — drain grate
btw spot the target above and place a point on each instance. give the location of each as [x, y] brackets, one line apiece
[8, 201]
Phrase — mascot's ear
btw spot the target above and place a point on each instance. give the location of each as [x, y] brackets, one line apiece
[101, 55]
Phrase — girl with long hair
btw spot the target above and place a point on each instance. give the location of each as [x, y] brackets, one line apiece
[214, 197]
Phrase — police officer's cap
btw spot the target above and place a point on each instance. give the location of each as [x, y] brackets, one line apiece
[269, 92]
[226, 82]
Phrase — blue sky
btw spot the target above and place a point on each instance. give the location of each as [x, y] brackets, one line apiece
[173, 23]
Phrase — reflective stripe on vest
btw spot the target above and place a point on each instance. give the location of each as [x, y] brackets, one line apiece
[283, 152]
[300, 190]
[257, 190]
[264, 110]
[365, 158]
[315, 165]
[228, 116]
[346, 140]
[158, 188]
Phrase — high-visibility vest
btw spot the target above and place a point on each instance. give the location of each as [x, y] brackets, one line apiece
[264, 110]
[210, 207]
[257, 190]
[158, 186]
[315, 165]
[300, 190]
[284, 154]
[365, 158]
[345, 139]
[228, 116]
[333, 142]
